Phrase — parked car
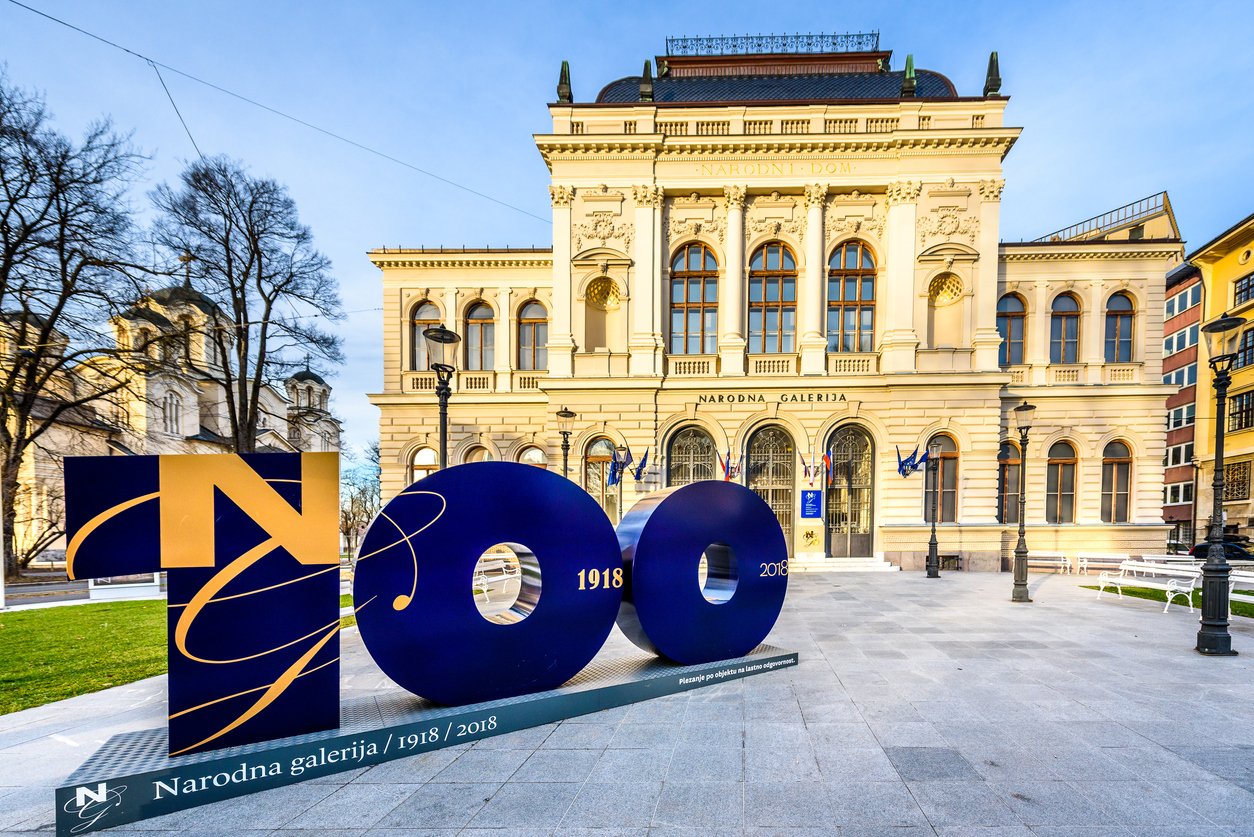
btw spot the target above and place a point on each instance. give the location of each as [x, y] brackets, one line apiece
[1233, 551]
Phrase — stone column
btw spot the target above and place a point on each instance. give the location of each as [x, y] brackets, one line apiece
[644, 342]
[731, 289]
[810, 297]
[506, 340]
[986, 340]
[561, 340]
[896, 300]
[1092, 332]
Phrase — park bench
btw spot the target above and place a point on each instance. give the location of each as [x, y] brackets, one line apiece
[1099, 561]
[1243, 579]
[1174, 580]
[1051, 560]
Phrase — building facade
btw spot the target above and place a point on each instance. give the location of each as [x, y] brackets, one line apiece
[169, 402]
[1182, 315]
[1226, 265]
[764, 258]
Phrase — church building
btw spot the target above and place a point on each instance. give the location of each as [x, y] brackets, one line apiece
[778, 260]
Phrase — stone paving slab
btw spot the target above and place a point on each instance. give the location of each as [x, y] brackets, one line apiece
[919, 707]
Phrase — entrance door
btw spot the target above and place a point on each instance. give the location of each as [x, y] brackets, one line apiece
[770, 473]
[849, 494]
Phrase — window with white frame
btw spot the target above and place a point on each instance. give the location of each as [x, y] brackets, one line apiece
[1177, 492]
[1182, 377]
[1178, 341]
[1179, 455]
[1183, 301]
[172, 413]
[1180, 416]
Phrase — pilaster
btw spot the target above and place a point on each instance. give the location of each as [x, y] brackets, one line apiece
[731, 290]
[899, 340]
[503, 352]
[813, 343]
[645, 340]
[985, 338]
[1092, 332]
[561, 350]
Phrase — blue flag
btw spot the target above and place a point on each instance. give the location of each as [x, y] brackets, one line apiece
[644, 460]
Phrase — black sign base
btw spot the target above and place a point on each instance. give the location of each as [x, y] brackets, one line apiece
[132, 778]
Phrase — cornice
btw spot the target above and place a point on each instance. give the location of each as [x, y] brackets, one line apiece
[385, 261]
[1106, 251]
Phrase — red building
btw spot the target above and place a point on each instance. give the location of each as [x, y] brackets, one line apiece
[1181, 320]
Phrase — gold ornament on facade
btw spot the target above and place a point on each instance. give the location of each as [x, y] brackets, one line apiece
[601, 229]
[603, 294]
[561, 195]
[990, 190]
[904, 191]
[945, 289]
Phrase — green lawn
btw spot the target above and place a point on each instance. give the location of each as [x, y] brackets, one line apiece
[59, 652]
[54, 653]
[1238, 608]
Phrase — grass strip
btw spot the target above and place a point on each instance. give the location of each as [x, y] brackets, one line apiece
[1238, 608]
[54, 653]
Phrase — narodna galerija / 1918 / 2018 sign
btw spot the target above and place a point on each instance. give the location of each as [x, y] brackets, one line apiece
[249, 544]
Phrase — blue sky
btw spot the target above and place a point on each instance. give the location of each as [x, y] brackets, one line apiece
[1118, 100]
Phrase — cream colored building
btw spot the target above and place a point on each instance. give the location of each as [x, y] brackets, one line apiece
[776, 255]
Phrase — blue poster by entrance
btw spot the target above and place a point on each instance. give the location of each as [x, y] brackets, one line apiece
[811, 504]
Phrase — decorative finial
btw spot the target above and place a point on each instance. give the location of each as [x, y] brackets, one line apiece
[186, 258]
[646, 82]
[992, 80]
[563, 85]
[907, 81]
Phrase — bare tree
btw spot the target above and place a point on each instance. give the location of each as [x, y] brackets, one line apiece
[256, 261]
[360, 496]
[65, 248]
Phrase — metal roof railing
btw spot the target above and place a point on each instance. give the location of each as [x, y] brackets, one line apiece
[1116, 218]
[774, 44]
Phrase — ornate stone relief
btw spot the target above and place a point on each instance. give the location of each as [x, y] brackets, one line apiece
[601, 228]
[561, 195]
[775, 213]
[947, 223]
[904, 191]
[679, 228]
[852, 213]
[990, 190]
[816, 193]
[735, 196]
[648, 195]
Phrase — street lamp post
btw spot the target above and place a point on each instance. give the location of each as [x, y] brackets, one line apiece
[565, 423]
[933, 467]
[1193, 509]
[1213, 638]
[442, 352]
[1023, 415]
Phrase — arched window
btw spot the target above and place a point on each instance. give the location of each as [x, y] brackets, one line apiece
[425, 316]
[1116, 480]
[694, 301]
[423, 462]
[596, 476]
[1064, 330]
[480, 337]
[172, 413]
[947, 479]
[1060, 484]
[851, 299]
[1008, 483]
[691, 457]
[1010, 323]
[478, 454]
[772, 299]
[534, 456]
[533, 337]
[1119, 310]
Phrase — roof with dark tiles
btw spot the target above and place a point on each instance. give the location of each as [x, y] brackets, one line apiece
[816, 87]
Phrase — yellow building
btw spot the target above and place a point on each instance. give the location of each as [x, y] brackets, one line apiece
[766, 256]
[1227, 267]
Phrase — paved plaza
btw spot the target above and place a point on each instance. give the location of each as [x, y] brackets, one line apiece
[919, 707]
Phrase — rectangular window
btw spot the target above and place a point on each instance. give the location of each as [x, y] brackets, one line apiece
[1179, 341]
[1245, 288]
[1183, 301]
[1178, 455]
[1245, 350]
[1182, 377]
[1177, 493]
[1180, 417]
[1241, 411]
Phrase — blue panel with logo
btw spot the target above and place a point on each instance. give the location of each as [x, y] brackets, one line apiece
[811, 505]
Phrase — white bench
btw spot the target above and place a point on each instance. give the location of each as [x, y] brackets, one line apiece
[1174, 580]
[1052, 560]
[1243, 579]
[1099, 561]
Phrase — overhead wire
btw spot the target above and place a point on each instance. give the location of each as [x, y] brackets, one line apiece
[276, 112]
[177, 112]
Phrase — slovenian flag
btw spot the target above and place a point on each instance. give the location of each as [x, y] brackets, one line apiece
[827, 465]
